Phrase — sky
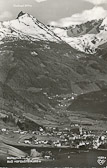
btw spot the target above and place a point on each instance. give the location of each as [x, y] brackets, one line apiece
[55, 12]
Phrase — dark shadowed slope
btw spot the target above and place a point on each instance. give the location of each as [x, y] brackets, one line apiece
[95, 102]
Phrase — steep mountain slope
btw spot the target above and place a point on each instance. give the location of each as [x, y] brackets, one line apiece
[85, 37]
[34, 69]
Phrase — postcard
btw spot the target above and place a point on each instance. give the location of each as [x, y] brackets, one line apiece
[53, 83]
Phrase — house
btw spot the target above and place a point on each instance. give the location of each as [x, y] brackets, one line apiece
[3, 129]
[27, 142]
[22, 132]
[41, 129]
[47, 157]
[16, 132]
[58, 144]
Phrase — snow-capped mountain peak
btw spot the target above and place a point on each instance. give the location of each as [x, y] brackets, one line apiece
[86, 37]
[27, 25]
[21, 14]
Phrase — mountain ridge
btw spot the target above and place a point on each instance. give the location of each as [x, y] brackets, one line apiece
[85, 37]
[28, 25]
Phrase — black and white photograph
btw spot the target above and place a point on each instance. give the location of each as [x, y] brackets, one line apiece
[53, 83]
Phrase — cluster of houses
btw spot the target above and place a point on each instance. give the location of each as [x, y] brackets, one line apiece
[73, 137]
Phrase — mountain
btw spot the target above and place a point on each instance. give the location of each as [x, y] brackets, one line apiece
[90, 27]
[25, 26]
[37, 69]
[86, 37]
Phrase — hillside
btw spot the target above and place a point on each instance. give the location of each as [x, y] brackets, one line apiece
[35, 70]
[95, 103]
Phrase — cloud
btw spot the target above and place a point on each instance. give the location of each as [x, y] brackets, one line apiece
[5, 15]
[39, 1]
[97, 2]
[86, 15]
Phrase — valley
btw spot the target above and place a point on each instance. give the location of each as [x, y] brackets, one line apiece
[53, 96]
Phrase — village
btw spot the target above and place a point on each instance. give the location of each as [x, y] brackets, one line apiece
[74, 137]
